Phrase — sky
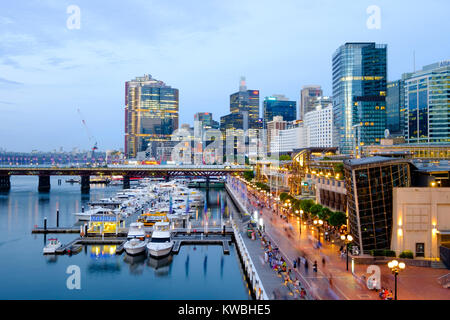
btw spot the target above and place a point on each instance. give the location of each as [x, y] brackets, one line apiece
[49, 69]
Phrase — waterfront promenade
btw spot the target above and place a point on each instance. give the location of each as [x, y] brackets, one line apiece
[273, 283]
[413, 283]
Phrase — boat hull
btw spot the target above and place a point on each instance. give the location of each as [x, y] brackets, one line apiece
[134, 250]
[158, 252]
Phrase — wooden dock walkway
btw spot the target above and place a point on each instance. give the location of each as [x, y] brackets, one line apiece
[56, 230]
[180, 240]
[74, 245]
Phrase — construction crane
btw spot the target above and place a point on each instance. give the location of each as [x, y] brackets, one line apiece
[90, 136]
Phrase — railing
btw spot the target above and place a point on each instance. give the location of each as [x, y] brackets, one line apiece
[249, 266]
[161, 166]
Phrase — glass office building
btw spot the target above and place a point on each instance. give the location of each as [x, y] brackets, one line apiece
[370, 182]
[308, 97]
[395, 108]
[427, 95]
[246, 103]
[279, 105]
[151, 114]
[359, 95]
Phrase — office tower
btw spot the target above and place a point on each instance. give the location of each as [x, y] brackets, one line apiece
[244, 109]
[359, 95]
[151, 114]
[206, 120]
[279, 105]
[370, 183]
[395, 108]
[427, 95]
[308, 96]
[294, 136]
[273, 128]
[320, 124]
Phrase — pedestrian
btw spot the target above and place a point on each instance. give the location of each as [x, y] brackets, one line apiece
[323, 261]
[306, 264]
[315, 266]
[298, 262]
[302, 293]
[294, 264]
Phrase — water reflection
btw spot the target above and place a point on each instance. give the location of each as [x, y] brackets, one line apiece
[186, 266]
[102, 252]
[162, 266]
[136, 263]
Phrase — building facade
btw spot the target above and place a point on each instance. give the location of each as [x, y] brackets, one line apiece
[244, 109]
[395, 108]
[427, 95]
[308, 96]
[151, 114]
[359, 95]
[295, 136]
[279, 105]
[369, 183]
[421, 221]
[320, 125]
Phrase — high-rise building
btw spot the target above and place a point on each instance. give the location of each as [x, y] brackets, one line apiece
[279, 105]
[395, 108]
[273, 127]
[427, 95]
[244, 108]
[206, 120]
[359, 95]
[308, 96]
[151, 114]
[295, 136]
[320, 124]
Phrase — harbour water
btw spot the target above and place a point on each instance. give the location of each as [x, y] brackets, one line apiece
[197, 272]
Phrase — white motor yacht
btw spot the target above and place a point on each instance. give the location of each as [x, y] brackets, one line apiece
[161, 242]
[51, 246]
[135, 246]
[86, 215]
[136, 230]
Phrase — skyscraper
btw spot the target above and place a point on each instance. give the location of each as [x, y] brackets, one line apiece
[244, 108]
[395, 108]
[279, 105]
[151, 114]
[359, 95]
[308, 95]
[427, 95]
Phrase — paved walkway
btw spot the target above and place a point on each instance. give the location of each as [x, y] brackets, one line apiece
[413, 283]
[273, 282]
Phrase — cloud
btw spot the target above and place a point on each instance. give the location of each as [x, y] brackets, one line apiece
[7, 102]
[10, 82]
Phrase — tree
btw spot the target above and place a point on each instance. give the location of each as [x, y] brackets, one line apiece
[283, 196]
[339, 168]
[337, 219]
[315, 209]
[249, 175]
[285, 157]
[324, 214]
[306, 205]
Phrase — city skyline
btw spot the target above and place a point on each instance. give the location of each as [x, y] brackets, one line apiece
[46, 76]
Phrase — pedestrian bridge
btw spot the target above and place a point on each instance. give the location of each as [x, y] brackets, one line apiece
[127, 171]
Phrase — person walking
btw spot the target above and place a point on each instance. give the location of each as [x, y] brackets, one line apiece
[315, 266]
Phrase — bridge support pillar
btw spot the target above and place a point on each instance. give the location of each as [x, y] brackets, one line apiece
[44, 184]
[85, 184]
[126, 182]
[5, 184]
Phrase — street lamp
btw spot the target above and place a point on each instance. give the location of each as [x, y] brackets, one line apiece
[395, 267]
[318, 224]
[347, 238]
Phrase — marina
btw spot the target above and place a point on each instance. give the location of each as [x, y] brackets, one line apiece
[197, 244]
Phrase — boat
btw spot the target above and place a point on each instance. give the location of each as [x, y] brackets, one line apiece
[135, 246]
[150, 218]
[86, 215]
[51, 246]
[136, 230]
[161, 242]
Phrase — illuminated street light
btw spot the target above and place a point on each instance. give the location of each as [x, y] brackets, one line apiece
[347, 238]
[396, 267]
